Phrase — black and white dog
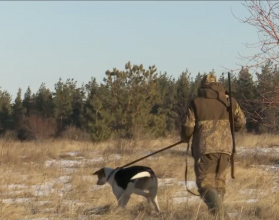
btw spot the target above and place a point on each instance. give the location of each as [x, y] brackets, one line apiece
[126, 181]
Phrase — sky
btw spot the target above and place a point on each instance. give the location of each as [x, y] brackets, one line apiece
[41, 41]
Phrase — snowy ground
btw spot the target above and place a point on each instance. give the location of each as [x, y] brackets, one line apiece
[11, 192]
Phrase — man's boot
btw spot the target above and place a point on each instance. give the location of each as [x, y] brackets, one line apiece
[213, 202]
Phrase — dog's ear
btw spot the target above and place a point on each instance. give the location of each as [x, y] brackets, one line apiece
[98, 172]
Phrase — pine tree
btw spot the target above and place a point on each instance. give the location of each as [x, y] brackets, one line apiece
[6, 122]
[44, 102]
[78, 98]
[27, 102]
[196, 84]
[97, 117]
[184, 94]
[245, 95]
[62, 104]
[167, 102]
[133, 94]
[267, 93]
[245, 85]
[222, 80]
[18, 111]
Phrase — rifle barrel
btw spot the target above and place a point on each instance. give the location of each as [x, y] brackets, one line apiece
[232, 127]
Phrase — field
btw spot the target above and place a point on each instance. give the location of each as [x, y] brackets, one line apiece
[52, 180]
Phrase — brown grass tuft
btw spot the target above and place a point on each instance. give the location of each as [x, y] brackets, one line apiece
[52, 179]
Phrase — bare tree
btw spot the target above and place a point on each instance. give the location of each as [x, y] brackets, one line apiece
[36, 127]
[264, 16]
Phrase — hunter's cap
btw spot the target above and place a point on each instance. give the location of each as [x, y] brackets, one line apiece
[207, 79]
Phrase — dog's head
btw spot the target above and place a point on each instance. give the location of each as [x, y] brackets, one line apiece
[102, 179]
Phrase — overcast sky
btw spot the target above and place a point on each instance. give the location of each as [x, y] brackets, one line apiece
[44, 40]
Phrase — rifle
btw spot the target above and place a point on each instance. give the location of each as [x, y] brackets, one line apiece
[232, 127]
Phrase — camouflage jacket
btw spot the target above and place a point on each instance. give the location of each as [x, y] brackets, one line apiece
[207, 119]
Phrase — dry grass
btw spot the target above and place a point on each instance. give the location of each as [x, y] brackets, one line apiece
[35, 185]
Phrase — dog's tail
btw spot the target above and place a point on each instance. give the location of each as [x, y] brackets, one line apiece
[141, 175]
[145, 173]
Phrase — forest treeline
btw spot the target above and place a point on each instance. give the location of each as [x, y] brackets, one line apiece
[131, 103]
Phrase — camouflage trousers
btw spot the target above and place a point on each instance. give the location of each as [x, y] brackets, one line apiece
[211, 171]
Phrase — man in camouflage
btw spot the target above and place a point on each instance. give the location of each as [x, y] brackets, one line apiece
[207, 119]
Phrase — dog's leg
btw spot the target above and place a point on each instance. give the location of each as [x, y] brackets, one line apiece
[153, 198]
[155, 203]
[124, 200]
[123, 196]
[118, 192]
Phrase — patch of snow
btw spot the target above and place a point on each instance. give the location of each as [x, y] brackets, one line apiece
[186, 199]
[181, 149]
[62, 179]
[94, 160]
[117, 156]
[232, 214]
[173, 181]
[251, 200]
[97, 187]
[16, 200]
[43, 189]
[46, 188]
[80, 158]
[73, 153]
[63, 163]
[259, 150]
[48, 210]
[16, 186]
[191, 184]
[89, 178]
[72, 163]
[66, 188]
[166, 182]
[274, 168]
[42, 202]
[67, 170]
[252, 191]
[82, 162]
[36, 219]
[43, 192]
[14, 193]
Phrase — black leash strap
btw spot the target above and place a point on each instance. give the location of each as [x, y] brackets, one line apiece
[186, 172]
[112, 172]
[149, 155]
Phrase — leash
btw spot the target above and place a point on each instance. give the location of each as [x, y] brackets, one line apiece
[149, 155]
[156, 152]
[186, 172]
